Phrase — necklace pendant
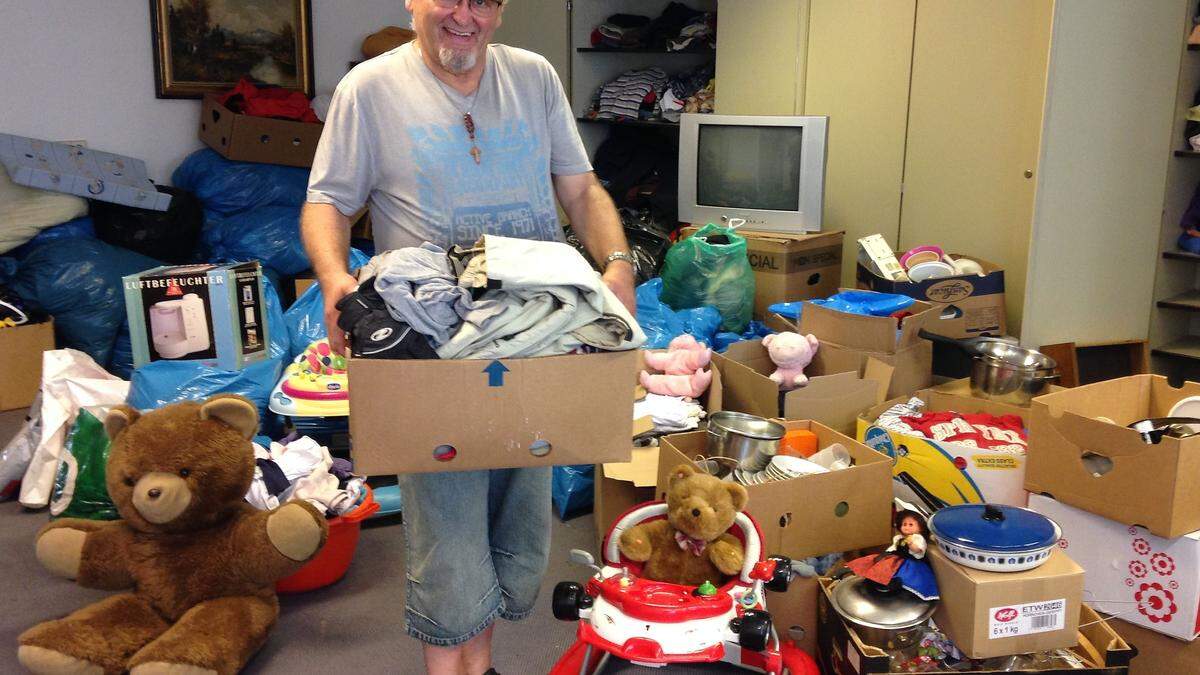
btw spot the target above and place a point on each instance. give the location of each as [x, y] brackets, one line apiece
[475, 152]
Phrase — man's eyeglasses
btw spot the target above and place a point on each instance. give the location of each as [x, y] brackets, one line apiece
[483, 9]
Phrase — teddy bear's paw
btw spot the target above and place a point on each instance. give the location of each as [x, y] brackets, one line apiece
[60, 550]
[49, 662]
[164, 668]
[727, 557]
[635, 547]
[294, 532]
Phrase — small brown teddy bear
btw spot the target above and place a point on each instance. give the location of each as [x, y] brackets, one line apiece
[692, 545]
[202, 562]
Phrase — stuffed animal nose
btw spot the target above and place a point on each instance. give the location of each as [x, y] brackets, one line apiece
[154, 493]
[695, 513]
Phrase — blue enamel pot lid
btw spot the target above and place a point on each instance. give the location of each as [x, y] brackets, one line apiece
[994, 527]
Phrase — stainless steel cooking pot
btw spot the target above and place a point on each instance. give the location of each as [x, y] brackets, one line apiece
[1002, 371]
[888, 619]
[749, 440]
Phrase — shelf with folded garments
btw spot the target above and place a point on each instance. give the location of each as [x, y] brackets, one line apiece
[1187, 153]
[647, 50]
[1187, 347]
[628, 123]
[1181, 255]
[1188, 301]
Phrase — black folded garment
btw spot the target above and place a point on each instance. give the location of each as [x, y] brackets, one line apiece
[374, 333]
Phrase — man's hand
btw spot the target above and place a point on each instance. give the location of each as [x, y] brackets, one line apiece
[333, 290]
[619, 277]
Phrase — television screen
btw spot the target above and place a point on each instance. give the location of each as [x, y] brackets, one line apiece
[754, 167]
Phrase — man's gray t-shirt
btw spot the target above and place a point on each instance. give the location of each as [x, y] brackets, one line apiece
[394, 137]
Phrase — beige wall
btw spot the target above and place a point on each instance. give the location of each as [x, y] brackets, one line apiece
[760, 55]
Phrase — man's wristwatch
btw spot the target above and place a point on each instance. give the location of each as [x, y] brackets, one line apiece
[619, 255]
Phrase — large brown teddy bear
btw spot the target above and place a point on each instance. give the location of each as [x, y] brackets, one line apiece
[692, 545]
[202, 562]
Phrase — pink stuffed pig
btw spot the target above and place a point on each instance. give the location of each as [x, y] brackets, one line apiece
[791, 352]
[692, 385]
[684, 356]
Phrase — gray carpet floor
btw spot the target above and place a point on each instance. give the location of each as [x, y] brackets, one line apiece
[354, 626]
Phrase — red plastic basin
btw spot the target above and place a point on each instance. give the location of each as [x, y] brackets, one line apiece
[334, 559]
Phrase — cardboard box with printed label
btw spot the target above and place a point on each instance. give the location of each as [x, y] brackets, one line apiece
[21, 350]
[1098, 649]
[1143, 578]
[968, 304]
[791, 267]
[946, 472]
[832, 398]
[811, 515]
[214, 314]
[246, 138]
[1108, 469]
[1002, 613]
[420, 416]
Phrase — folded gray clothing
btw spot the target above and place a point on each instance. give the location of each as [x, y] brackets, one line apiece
[420, 290]
[553, 303]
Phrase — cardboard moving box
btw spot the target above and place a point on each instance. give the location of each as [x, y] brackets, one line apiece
[968, 304]
[811, 515]
[843, 652]
[1002, 613]
[1123, 478]
[21, 350]
[247, 138]
[791, 267]
[459, 415]
[955, 473]
[1158, 654]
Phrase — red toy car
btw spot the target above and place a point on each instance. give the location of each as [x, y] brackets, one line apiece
[654, 623]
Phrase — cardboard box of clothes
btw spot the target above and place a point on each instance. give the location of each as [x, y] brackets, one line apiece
[1157, 654]
[968, 304]
[21, 350]
[958, 471]
[833, 398]
[812, 515]
[990, 614]
[1145, 579]
[214, 314]
[1105, 468]
[791, 267]
[247, 138]
[1098, 649]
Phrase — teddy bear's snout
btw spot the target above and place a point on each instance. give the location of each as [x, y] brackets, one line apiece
[695, 513]
[161, 497]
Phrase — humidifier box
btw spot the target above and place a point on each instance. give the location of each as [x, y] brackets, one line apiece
[214, 314]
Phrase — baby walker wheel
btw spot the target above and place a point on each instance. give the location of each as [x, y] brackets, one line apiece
[753, 629]
[566, 601]
[779, 582]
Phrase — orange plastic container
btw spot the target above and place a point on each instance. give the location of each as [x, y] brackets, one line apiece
[333, 560]
[798, 443]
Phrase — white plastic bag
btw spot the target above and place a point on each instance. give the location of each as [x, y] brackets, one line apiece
[71, 380]
[14, 459]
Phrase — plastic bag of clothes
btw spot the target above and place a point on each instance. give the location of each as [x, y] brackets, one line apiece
[571, 490]
[305, 319]
[270, 234]
[79, 488]
[14, 459]
[226, 187]
[711, 268]
[663, 324]
[78, 282]
[72, 229]
[170, 235]
[161, 382]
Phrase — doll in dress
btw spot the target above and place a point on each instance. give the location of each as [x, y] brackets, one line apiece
[903, 564]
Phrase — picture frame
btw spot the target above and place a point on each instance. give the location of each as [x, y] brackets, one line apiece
[206, 46]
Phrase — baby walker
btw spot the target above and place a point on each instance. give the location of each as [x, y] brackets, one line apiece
[313, 385]
[652, 623]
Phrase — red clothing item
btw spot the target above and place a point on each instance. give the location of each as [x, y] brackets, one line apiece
[979, 430]
[288, 104]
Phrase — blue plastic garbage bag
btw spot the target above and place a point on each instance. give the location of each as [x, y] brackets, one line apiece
[571, 490]
[276, 325]
[662, 324]
[78, 282]
[227, 187]
[870, 303]
[80, 227]
[305, 319]
[121, 363]
[161, 382]
[755, 331]
[269, 233]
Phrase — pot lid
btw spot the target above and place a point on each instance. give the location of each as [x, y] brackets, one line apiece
[994, 527]
[751, 426]
[860, 602]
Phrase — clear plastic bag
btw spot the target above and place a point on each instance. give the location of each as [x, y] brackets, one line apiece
[711, 268]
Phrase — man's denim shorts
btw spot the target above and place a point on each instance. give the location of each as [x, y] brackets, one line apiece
[477, 545]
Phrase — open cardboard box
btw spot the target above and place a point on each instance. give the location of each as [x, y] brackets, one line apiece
[833, 398]
[955, 473]
[843, 652]
[811, 515]
[21, 350]
[248, 138]
[417, 416]
[1138, 484]
[968, 305]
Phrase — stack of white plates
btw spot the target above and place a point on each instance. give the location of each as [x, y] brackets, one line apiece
[781, 467]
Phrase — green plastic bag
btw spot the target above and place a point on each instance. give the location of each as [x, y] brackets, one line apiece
[79, 488]
[711, 268]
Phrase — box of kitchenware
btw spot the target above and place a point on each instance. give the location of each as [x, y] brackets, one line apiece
[1125, 449]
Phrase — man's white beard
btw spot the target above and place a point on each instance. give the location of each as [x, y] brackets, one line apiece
[456, 61]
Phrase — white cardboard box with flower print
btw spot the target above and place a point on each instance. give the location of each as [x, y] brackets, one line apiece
[1140, 577]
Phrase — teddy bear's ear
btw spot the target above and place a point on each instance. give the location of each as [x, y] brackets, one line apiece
[812, 340]
[738, 494]
[768, 339]
[118, 418]
[679, 473]
[234, 411]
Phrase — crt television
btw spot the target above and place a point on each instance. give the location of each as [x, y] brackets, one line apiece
[766, 170]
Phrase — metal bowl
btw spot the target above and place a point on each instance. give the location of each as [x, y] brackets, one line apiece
[749, 440]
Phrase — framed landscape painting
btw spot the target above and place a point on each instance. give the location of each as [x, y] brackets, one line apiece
[203, 46]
